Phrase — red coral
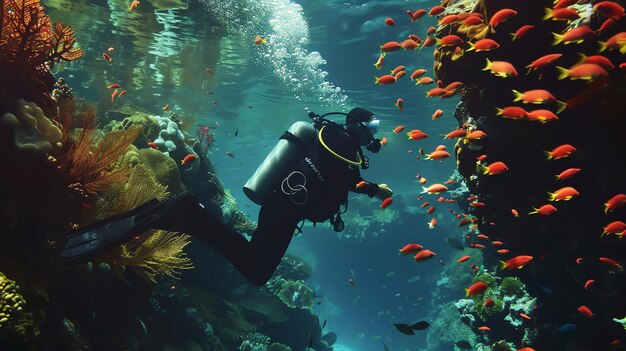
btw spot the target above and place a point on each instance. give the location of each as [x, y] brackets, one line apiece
[29, 45]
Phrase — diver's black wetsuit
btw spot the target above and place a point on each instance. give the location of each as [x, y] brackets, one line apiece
[258, 258]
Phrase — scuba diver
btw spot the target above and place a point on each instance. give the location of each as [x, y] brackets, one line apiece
[307, 175]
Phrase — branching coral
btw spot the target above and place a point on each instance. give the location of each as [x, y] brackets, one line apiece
[160, 254]
[29, 46]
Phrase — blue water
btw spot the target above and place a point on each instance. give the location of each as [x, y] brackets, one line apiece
[319, 58]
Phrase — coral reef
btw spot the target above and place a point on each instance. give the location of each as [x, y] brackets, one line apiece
[591, 121]
[32, 130]
[16, 326]
[29, 45]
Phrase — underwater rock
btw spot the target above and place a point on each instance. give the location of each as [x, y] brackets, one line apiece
[32, 130]
[145, 120]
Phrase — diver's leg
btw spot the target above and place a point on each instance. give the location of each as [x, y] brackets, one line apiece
[256, 259]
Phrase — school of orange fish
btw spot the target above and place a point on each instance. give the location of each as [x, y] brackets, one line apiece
[589, 68]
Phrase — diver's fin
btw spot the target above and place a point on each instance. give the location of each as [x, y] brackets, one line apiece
[98, 237]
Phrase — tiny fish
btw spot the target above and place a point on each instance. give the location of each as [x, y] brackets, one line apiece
[230, 154]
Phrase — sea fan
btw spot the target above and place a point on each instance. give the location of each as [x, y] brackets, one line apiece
[160, 254]
[123, 197]
[88, 163]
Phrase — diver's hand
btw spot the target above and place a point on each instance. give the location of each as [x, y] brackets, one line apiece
[383, 192]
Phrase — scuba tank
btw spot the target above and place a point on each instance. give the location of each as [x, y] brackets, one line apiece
[291, 147]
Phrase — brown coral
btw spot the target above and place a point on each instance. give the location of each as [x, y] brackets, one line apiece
[29, 45]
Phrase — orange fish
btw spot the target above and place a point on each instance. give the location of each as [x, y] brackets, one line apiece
[400, 104]
[614, 202]
[417, 135]
[512, 112]
[436, 10]
[564, 194]
[481, 158]
[424, 255]
[166, 107]
[514, 212]
[383, 141]
[585, 71]
[494, 168]
[448, 182]
[448, 20]
[476, 288]
[188, 159]
[133, 5]
[113, 95]
[435, 92]
[560, 152]
[398, 69]
[543, 116]
[465, 221]
[483, 45]
[433, 223]
[258, 40]
[611, 262]
[435, 189]
[597, 60]
[615, 227]
[390, 46]
[424, 81]
[484, 328]
[472, 21]
[609, 9]
[476, 135]
[398, 129]
[463, 259]
[415, 38]
[430, 210]
[386, 202]
[482, 236]
[400, 74]
[503, 251]
[585, 311]
[385, 79]
[451, 40]
[409, 44]
[360, 184]
[516, 262]
[489, 303]
[437, 155]
[543, 61]
[417, 73]
[525, 316]
[417, 14]
[422, 180]
[501, 69]
[457, 133]
[454, 86]
[111, 49]
[477, 246]
[122, 93]
[379, 63]
[588, 282]
[113, 86]
[521, 32]
[579, 260]
[500, 17]
[561, 4]
[576, 35]
[536, 96]
[564, 14]
[107, 57]
[497, 243]
[410, 248]
[390, 22]
[618, 41]
[544, 210]
[153, 145]
[437, 114]
[431, 30]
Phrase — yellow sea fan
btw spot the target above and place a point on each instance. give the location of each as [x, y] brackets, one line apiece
[160, 254]
[123, 197]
